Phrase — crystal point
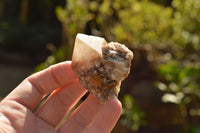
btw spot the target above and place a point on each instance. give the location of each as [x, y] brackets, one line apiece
[100, 66]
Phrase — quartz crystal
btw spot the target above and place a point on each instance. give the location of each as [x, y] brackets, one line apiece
[100, 66]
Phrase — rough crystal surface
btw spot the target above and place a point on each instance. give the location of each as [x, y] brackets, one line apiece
[100, 66]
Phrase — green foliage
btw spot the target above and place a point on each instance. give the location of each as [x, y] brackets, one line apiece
[187, 26]
[74, 16]
[181, 86]
[181, 82]
[133, 22]
[141, 23]
[132, 116]
[181, 79]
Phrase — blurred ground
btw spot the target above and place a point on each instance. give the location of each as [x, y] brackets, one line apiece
[14, 67]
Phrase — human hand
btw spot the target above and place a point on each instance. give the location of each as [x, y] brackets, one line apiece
[91, 116]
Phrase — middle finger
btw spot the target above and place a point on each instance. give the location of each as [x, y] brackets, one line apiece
[60, 102]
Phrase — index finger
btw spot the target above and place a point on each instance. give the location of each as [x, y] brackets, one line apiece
[31, 91]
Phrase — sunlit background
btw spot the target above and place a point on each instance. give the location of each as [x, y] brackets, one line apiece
[162, 92]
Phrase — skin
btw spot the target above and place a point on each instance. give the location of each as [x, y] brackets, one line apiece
[91, 116]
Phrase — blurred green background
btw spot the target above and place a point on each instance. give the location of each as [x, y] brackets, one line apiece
[162, 92]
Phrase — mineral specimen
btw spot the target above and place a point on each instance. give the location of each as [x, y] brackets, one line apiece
[100, 66]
